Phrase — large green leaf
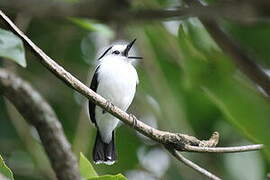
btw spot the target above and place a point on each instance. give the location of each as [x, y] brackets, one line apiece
[5, 170]
[109, 177]
[11, 47]
[86, 169]
[234, 95]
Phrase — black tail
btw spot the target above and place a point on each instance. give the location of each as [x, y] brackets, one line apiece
[103, 152]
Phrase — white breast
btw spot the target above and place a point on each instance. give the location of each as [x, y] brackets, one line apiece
[117, 81]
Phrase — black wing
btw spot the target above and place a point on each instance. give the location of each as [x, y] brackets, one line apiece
[92, 106]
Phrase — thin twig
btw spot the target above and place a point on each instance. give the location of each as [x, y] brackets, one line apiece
[235, 149]
[192, 165]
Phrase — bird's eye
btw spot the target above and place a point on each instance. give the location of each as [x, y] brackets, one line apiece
[116, 52]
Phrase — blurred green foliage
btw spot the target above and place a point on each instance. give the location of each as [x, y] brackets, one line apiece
[249, 112]
[187, 84]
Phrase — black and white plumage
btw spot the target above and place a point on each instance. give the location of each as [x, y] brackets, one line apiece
[115, 79]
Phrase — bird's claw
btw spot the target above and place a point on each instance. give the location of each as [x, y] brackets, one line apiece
[134, 120]
[108, 105]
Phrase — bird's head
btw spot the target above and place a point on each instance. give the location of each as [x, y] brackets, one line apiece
[120, 50]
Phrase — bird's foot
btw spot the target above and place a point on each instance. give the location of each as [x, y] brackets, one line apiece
[134, 120]
[108, 105]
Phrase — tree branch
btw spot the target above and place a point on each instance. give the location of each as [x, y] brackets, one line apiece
[173, 141]
[39, 114]
[92, 9]
[192, 165]
[235, 149]
[119, 11]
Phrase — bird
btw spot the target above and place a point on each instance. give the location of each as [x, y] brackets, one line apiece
[115, 79]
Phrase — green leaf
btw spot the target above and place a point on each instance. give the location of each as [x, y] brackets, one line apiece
[11, 47]
[109, 177]
[86, 169]
[5, 170]
[91, 25]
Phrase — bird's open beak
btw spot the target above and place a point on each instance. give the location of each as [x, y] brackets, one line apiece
[128, 49]
[135, 57]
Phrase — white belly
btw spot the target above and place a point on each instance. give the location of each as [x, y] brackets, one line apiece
[117, 81]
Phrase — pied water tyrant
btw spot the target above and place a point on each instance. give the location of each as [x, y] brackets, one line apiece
[115, 79]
